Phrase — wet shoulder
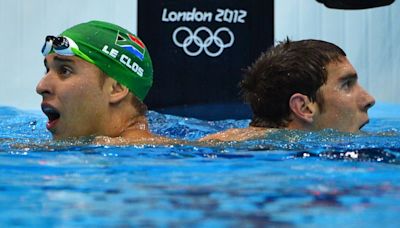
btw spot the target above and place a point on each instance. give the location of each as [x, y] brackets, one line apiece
[238, 134]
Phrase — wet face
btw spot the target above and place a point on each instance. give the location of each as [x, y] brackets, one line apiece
[345, 103]
[73, 98]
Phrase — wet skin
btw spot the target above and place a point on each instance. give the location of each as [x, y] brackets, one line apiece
[345, 106]
[72, 97]
[345, 102]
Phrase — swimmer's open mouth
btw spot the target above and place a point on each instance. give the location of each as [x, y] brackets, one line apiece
[50, 112]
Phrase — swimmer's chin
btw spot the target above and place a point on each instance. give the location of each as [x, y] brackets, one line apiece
[362, 125]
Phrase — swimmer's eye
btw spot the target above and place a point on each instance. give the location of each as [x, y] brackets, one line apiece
[65, 70]
[349, 83]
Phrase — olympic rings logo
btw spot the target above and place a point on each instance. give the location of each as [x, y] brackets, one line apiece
[193, 37]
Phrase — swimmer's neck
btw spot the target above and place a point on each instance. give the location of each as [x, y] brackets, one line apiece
[136, 127]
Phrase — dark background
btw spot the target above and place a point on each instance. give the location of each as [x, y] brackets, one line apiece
[202, 86]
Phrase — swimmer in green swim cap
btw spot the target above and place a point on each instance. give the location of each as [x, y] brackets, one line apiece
[97, 75]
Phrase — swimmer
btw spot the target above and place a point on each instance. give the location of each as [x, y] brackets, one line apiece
[304, 85]
[97, 75]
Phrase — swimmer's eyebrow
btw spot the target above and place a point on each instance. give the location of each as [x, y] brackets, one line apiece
[60, 59]
[352, 76]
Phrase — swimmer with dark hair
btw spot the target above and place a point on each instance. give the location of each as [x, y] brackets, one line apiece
[303, 85]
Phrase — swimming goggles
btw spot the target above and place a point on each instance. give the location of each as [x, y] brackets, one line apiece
[63, 45]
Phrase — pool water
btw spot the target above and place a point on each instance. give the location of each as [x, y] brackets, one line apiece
[287, 179]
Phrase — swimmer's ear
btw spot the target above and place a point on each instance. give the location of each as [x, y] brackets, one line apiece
[118, 92]
[302, 107]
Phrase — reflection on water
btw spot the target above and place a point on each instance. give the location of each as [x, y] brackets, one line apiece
[287, 179]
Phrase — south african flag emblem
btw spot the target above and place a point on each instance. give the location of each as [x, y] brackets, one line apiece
[131, 43]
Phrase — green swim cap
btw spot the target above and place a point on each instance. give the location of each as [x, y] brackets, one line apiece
[117, 52]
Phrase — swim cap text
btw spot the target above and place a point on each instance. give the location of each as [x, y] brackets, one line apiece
[124, 59]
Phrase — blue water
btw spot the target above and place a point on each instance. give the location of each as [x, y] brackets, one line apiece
[287, 179]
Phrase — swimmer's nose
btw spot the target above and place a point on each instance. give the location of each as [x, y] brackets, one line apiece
[43, 87]
[369, 101]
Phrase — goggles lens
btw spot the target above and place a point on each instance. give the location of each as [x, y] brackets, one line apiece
[63, 45]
